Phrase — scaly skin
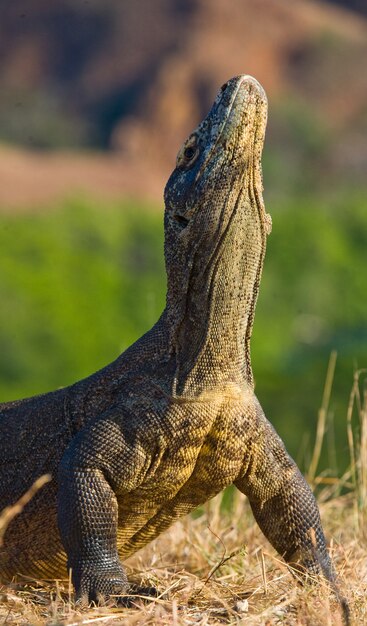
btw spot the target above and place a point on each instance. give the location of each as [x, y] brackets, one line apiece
[174, 419]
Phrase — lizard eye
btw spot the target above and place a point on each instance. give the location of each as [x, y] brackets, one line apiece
[189, 152]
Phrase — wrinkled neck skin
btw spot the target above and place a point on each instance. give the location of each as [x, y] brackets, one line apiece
[215, 239]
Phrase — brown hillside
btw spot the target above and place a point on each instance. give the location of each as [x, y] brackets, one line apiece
[138, 76]
[32, 180]
[305, 49]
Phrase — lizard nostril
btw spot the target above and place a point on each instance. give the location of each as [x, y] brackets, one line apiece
[223, 87]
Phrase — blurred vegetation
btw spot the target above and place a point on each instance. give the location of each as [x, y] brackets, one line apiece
[82, 282]
[312, 302]
[78, 286]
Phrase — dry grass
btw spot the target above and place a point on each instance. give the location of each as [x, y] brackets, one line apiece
[205, 578]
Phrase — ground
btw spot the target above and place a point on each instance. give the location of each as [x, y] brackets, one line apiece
[216, 568]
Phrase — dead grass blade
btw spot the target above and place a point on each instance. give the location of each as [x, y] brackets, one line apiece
[322, 415]
[10, 512]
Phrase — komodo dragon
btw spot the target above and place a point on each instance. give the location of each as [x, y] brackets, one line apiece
[174, 419]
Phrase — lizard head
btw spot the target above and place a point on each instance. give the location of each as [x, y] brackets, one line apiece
[215, 220]
[217, 155]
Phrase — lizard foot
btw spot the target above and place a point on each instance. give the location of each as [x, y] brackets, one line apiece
[117, 594]
[100, 589]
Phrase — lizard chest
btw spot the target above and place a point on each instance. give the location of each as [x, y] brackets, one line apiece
[194, 466]
[200, 455]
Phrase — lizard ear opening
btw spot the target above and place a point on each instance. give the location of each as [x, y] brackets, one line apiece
[181, 220]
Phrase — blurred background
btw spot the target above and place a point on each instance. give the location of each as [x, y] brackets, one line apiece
[96, 98]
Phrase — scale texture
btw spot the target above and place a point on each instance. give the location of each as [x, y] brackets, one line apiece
[174, 419]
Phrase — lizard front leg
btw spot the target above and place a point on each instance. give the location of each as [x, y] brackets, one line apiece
[87, 514]
[282, 501]
[101, 458]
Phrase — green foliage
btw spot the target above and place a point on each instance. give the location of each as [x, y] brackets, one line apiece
[312, 301]
[78, 286]
[82, 282]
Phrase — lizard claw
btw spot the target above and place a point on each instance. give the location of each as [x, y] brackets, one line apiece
[137, 594]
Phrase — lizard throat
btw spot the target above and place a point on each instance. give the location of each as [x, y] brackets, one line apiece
[212, 342]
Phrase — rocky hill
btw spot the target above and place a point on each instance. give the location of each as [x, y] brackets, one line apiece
[135, 77]
[304, 53]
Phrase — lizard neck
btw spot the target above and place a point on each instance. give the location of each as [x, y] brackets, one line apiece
[212, 338]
